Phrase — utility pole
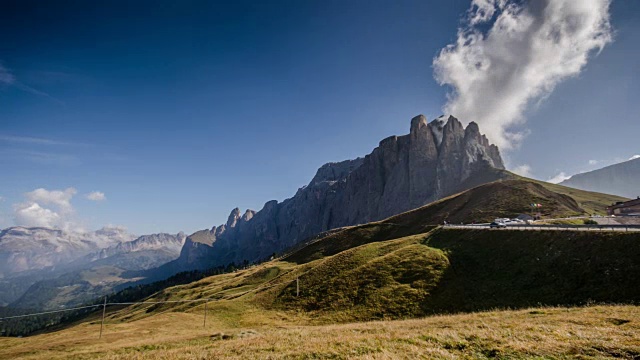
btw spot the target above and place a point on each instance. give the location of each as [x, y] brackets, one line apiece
[205, 314]
[297, 287]
[104, 310]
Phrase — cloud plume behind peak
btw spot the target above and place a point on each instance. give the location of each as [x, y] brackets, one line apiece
[510, 54]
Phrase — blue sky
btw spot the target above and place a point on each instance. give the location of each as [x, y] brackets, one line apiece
[180, 111]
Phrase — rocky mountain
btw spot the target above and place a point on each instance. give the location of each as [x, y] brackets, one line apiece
[27, 249]
[621, 179]
[434, 160]
[39, 261]
[162, 243]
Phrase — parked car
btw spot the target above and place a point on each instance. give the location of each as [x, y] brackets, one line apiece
[497, 225]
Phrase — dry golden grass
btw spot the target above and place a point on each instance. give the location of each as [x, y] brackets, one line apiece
[595, 332]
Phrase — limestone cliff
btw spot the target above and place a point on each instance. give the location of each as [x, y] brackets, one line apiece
[434, 160]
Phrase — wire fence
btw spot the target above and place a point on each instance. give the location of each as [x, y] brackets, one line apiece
[106, 304]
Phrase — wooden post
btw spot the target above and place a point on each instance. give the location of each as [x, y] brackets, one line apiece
[104, 310]
[297, 287]
[205, 314]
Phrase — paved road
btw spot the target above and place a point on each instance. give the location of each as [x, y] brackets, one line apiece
[619, 228]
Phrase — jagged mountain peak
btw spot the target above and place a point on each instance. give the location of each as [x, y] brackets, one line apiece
[233, 218]
[435, 159]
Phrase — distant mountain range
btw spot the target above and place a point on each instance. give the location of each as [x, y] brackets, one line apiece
[36, 263]
[434, 160]
[620, 179]
[27, 249]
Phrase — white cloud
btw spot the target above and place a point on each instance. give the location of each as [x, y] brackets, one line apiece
[593, 162]
[522, 170]
[58, 198]
[527, 50]
[634, 157]
[48, 208]
[32, 214]
[559, 178]
[96, 196]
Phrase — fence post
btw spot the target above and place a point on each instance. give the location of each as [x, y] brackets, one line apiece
[297, 286]
[205, 314]
[104, 310]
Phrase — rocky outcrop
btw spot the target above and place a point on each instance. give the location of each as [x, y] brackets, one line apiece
[434, 160]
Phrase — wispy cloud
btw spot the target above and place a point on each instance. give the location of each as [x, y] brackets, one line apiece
[41, 157]
[32, 140]
[509, 54]
[634, 157]
[7, 78]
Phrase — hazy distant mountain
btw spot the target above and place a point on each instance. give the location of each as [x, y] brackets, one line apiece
[35, 259]
[24, 249]
[620, 179]
[404, 172]
[159, 243]
[98, 274]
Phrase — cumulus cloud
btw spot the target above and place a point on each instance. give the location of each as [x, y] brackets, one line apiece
[32, 214]
[96, 196]
[47, 208]
[511, 53]
[59, 198]
[634, 157]
[559, 178]
[523, 170]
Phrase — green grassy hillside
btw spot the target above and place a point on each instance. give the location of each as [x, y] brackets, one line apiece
[441, 271]
[405, 267]
[590, 201]
[399, 268]
[452, 270]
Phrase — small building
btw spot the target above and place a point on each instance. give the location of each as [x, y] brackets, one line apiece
[524, 217]
[631, 207]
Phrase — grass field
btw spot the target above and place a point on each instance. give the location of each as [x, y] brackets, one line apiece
[593, 332]
[255, 313]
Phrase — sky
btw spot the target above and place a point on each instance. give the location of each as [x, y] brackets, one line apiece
[162, 116]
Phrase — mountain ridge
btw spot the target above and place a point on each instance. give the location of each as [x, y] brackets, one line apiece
[434, 160]
[53, 259]
[620, 179]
